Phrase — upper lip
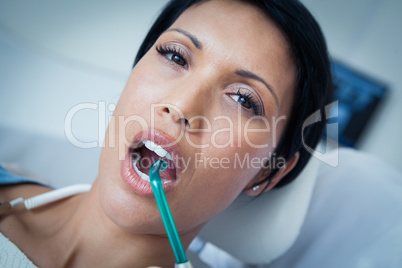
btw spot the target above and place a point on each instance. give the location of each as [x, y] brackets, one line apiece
[165, 141]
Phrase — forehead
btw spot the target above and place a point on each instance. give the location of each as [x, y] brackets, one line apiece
[240, 35]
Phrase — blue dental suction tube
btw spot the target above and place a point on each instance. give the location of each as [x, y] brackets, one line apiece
[157, 188]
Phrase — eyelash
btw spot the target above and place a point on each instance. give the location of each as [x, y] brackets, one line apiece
[257, 108]
[171, 49]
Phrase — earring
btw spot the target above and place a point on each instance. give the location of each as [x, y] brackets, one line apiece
[255, 188]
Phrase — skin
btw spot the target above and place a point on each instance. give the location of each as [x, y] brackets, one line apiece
[113, 226]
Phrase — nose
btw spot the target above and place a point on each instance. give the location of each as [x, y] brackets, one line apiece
[175, 113]
[187, 105]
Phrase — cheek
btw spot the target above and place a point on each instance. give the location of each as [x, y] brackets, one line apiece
[261, 135]
[235, 155]
[139, 91]
[220, 176]
[133, 111]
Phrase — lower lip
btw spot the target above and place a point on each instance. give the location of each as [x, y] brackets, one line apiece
[134, 181]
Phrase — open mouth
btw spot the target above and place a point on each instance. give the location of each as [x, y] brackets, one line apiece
[145, 154]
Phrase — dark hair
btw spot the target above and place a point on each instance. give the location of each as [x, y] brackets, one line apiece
[314, 82]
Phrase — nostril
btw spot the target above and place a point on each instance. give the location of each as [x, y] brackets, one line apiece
[176, 116]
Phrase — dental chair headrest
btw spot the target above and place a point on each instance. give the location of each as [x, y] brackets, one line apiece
[257, 231]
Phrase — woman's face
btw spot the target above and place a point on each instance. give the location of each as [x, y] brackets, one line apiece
[212, 92]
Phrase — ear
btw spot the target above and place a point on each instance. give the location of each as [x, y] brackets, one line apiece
[264, 172]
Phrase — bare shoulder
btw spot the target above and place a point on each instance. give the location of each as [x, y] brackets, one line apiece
[11, 219]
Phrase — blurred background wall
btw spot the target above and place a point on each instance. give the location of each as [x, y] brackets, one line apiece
[57, 54]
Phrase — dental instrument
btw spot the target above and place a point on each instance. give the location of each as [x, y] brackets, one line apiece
[157, 188]
[45, 198]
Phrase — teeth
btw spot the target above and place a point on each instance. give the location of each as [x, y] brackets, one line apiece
[161, 152]
[157, 149]
[149, 144]
[144, 176]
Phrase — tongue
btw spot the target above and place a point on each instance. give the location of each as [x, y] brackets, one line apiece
[148, 157]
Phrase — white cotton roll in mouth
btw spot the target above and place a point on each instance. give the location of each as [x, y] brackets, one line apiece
[143, 176]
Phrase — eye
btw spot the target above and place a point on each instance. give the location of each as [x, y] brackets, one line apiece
[248, 102]
[176, 59]
[242, 100]
[172, 53]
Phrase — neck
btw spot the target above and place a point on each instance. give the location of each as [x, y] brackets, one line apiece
[90, 239]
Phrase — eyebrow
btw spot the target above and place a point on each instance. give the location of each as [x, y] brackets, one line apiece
[193, 39]
[247, 74]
